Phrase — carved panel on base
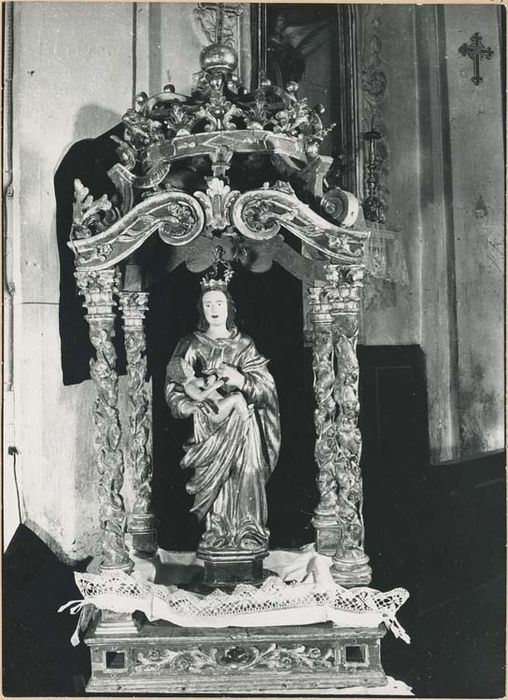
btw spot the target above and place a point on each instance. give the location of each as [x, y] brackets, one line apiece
[163, 658]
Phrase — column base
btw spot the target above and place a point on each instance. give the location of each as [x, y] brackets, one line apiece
[116, 623]
[327, 534]
[350, 568]
[141, 533]
[126, 567]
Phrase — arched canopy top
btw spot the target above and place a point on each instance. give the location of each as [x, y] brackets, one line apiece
[179, 218]
[216, 123]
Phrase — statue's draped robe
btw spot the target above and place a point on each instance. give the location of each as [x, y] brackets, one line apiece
[232, 460]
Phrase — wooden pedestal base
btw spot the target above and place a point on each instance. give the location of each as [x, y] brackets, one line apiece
[228, 568]
[163, 658]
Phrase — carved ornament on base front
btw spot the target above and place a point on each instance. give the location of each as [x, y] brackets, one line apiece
[236, 658]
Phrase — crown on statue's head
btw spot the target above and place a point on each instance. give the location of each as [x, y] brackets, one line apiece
[214, 279]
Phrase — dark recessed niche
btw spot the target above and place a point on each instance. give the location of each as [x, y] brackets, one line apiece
[356, 654]
[115, 659]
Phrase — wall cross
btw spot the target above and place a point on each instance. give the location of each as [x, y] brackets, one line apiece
[476, 52]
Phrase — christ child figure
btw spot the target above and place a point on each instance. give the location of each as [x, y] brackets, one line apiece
[204, 390]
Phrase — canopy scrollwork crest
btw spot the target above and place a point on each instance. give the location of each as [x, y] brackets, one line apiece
[218, 122]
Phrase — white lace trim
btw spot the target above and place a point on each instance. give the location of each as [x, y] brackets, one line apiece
[275, 603]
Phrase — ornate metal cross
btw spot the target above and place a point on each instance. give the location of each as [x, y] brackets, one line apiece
[476, 52]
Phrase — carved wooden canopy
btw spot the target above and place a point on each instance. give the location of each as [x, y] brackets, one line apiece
[167, 138]
[218, 123]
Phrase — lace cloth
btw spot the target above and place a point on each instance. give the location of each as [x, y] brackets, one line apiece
[276, 603]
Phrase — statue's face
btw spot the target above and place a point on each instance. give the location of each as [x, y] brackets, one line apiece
[215, 308]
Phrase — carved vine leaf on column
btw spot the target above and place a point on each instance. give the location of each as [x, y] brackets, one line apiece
[322, 365]
[97, 288]
[349, 441]
[324, 451]
[134, 305]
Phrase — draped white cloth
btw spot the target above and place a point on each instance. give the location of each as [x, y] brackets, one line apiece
[300, 592]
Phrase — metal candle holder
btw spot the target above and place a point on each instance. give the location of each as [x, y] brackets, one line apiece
[373, 208]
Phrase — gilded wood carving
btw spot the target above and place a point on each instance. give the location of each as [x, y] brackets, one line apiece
[133, 306]
[98, 289]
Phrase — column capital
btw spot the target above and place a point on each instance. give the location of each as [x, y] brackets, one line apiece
[98, 288]
[319, 305]
[339, 275]
[133, 304]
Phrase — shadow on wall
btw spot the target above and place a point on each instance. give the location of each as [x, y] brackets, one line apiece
[87, 160]
[92, 119]
[50, 542]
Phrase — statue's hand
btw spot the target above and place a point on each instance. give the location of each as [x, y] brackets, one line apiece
[232, 376]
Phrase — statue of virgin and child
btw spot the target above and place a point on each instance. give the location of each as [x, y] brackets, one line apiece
[218, 377]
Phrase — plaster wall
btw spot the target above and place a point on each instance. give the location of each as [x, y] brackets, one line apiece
[389, 94]
[477, 167]
[442, 181]
[62, 92]
[462, 166]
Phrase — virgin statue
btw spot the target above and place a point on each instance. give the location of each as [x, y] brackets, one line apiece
[218, 377]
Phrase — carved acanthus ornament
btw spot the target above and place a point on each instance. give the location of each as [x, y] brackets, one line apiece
[98, 289]
[90, 216]
[218, 114]
[175, 215]
[216, 204]
[259, 214]
[233, 658]
[133, 306]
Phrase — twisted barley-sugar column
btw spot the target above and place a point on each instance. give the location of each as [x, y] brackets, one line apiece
[324, 521]
[133, 306]
[350, 563]
[97, 289]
